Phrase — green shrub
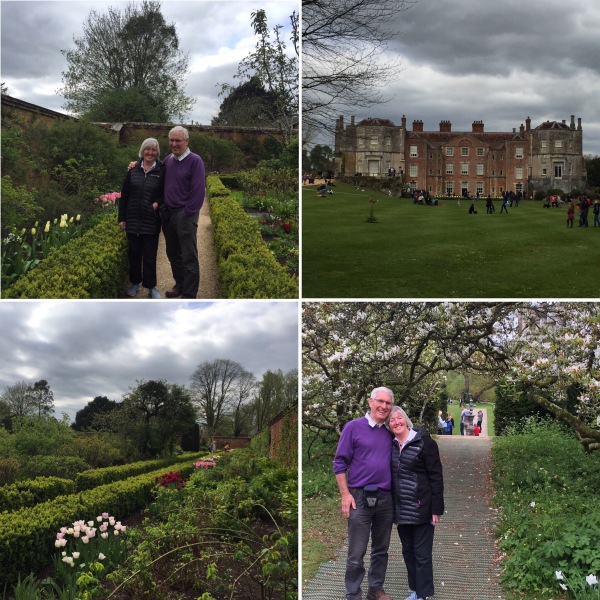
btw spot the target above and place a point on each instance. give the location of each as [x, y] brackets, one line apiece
[549, 518]
[247, 268]
[66, 467]
[19, 208]
[93, 266]
[33, 491]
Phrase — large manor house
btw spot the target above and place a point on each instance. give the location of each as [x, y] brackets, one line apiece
[454, 163]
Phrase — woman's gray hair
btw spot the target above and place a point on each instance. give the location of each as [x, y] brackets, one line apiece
[146, 144]
[382, 389]
[179, 129]
[400, 410]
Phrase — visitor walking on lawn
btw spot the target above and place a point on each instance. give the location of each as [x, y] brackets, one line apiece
[362, 471]
[141, 194]
[418, 495]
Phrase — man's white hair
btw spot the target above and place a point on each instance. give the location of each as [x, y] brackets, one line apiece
[179, 129]
[382, 389]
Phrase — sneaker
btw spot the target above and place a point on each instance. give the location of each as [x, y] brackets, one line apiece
[133, 290]
[413, 596]
[154, 293]
[378, 595]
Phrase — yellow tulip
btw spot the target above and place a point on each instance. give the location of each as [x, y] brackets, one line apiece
[47, 228]
[33, 231]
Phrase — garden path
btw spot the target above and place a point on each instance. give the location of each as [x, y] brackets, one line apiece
[466, 562]
[209, 282]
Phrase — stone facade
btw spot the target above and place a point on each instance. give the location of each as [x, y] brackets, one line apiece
[451, 163]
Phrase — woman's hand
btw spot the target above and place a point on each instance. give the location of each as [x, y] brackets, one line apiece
[435, 519]
[122, 224]
[155, 206]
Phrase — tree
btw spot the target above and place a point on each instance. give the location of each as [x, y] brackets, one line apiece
[133, 49]
[592, 165]
[19, 400]
[276, 391]
[43, 398]
[247, 105]
[343, 48]
[86, 418]
[350, 348]
[320, 159]
[154, 414]
[241, 420]
[277, 72]
[132, 104]
[214, 386]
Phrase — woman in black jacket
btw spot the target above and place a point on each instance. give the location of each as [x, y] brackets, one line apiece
[141, 194]
[418, 494]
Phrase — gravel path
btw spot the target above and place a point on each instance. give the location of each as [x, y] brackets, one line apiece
[209, 283]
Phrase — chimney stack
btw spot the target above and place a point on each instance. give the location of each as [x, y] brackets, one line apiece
[418, 125]
[445, 126]
[477, 127]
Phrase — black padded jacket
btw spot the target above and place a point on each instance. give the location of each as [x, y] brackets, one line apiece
[138, 193]
[417, 480]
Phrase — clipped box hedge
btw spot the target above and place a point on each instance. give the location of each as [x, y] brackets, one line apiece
[27, 535]
[247, 268]
[92, 266]
[87, 480]
[33, 491]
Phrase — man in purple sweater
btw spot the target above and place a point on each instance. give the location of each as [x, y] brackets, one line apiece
[185, 184]
[363, 473]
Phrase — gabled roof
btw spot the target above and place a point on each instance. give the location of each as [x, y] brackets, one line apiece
[371, 121]
[553, 125]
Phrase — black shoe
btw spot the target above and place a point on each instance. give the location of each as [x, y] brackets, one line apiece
[173, 293]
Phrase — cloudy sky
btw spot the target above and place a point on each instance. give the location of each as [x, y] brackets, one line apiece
[498, 62]
[88, 349]
[216, 34]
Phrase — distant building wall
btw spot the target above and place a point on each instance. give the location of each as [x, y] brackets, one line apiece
[445, 162]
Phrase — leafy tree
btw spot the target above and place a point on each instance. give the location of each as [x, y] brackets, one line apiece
[241, 417]
[43, 397]
[218, 154]
[320, 159]
[86, 418]
[134, 48]
[276, 391]
[247, 105]
[271, 67]
[130, 105]
[153, 416]
[343, 56]
[592, 165]
[215, 386]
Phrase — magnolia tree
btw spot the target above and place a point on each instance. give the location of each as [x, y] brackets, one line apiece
[349, 348]
[557, 350]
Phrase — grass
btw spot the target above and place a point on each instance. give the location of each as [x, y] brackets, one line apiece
[441, 251]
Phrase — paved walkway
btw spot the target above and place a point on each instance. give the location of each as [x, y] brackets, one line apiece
[465, 562]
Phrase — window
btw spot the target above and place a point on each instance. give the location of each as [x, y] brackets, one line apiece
[480, 151]
[519, 153]
[412, 170]
[361, 142]
[557, 143]
[479, 168]
[464, 152]
[449, 188]
[388, 140]
[374, 140]
[558, 169]
[519, 187]
[413, 151]
[544, 144]
[449, 151]
[518, 172]
[449, 168]
[464, 168]
[479, 188]
[545, 171]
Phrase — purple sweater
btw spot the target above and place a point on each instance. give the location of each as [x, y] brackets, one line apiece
[366, 453]
[184, 183]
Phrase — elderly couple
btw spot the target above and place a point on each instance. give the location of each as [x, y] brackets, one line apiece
[388, 473]
[170, 192]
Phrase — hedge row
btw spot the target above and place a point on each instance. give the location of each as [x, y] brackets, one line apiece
[33, 491]
[247, 268]
[27, 535]
[87, 480]
[92, 266]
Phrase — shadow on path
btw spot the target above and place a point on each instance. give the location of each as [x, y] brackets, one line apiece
[465, 562]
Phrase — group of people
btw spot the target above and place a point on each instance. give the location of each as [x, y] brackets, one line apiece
[389, 472]
[169, 195]
[584, 206]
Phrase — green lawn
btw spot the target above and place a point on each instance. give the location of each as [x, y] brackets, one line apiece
[441, 251]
